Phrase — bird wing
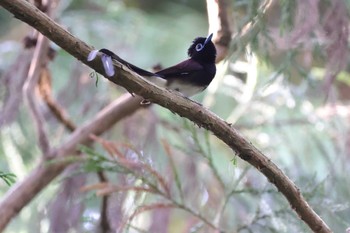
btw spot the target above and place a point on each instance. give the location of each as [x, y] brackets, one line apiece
[182, 69]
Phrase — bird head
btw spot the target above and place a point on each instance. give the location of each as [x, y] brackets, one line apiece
[203, 50]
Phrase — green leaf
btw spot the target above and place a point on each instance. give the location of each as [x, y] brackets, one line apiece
[8, 178]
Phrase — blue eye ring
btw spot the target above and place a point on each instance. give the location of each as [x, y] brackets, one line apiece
[199, 47]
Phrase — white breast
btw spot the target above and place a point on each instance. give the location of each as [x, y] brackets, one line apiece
[185, 89]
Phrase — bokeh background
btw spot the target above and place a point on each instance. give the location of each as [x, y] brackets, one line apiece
[287, 92]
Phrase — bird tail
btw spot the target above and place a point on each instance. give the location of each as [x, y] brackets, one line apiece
[108, 66]
[134, 68]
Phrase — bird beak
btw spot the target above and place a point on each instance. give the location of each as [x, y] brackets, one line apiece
[208, 38]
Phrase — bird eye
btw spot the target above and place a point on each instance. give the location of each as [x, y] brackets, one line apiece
[199, 47]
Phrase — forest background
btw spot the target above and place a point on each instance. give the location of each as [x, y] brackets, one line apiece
[282, 83]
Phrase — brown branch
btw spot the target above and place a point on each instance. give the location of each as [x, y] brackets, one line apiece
[23, 192]
[46, 93]
[219, 24]
[217, 14]
[39, 60]
[65, 210]
[104, 223]
[13, 80]
[185, 108]
[62, 116]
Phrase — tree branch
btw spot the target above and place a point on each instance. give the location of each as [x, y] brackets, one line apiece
[38, 62]
[62, 117]
[14, 79]
[219, 23]
[168, 99]
[23, 192]
[56, 109]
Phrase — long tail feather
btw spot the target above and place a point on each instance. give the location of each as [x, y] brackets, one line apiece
[134, 68]
[107, 57]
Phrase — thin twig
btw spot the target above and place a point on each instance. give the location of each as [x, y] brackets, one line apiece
[169, 153]
[258, 217]
[24, 191]
[104, 223]
[62, 116]
[172, 101]
[57, 110]
[39, 60]
[146, 179]
[206, 154]
[197, 215]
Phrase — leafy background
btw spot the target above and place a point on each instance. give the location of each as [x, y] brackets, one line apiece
[274, 96]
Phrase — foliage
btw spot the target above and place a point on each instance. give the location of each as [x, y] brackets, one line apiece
[161, 173]
[8, 178]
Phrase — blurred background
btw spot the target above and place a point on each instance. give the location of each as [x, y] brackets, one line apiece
[287, 92]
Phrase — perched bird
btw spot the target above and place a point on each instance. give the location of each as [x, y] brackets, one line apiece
[188, 77]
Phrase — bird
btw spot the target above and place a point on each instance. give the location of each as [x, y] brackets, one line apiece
[188, 77]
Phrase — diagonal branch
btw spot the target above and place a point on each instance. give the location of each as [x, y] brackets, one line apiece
[23, 192]
[168, 99]
[39, 60]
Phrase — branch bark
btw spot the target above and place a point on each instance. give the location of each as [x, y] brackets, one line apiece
[168, 99]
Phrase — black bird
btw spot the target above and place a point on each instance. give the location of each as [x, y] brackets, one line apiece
[188, 77]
